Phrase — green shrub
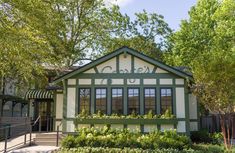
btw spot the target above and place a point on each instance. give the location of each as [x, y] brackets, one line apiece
[208, 148]
[108, 137]
[124, 150]
[203, 136]
[69, 142]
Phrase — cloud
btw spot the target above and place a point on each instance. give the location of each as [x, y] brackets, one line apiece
[121, 3]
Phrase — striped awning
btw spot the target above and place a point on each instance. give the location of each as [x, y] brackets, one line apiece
[38, 94]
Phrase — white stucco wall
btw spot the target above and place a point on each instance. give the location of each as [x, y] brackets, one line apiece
[71, 100]
[133, 81]
[159, 70]
[180, 102]
[118, 81]
[192, 107]
[108, 66]
[141, 66]
[167, 127]
[150, 81]
[90, 71]
[101, 81]
[125, 63]
[84, 81]
[71, 81]
[150, 128]
[133, 127]
[117, 126]
[70, 126]
[166, 81]
[181, 126]
[179, 81]
[59, 106]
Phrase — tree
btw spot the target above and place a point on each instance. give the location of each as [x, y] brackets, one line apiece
[147, 33]
[205, 43]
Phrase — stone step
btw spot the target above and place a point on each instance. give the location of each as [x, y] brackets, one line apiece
[47, 139]
[45, 143]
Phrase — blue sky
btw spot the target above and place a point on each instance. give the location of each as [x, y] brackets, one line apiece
[173, 10]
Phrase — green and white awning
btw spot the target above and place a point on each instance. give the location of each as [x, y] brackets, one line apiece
[38, 94]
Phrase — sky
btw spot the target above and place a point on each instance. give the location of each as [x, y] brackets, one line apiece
[173, 10]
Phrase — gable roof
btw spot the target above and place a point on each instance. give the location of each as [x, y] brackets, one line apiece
[131, 51]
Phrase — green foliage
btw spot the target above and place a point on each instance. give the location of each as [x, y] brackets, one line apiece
[124, 150]
[209, 148]
[167, 114]
[133, 115]
[112, 138]
[203, 136]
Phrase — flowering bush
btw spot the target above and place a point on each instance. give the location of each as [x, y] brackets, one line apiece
[133, 115]
[112, 138]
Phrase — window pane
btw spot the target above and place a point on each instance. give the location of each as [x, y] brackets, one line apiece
[100, 100]
[117, 101]
[133, 101]
[150, 100]
[166, 100]
[84, 101]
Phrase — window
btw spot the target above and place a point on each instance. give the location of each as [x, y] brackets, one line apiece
[133, 101]
[117, 101]
[166, 100]
[149, 100]
[100, 100]
[84, 100]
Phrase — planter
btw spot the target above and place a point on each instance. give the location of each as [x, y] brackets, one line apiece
[140, 121]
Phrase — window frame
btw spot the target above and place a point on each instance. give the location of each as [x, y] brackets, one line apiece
[155, 98]
[122, 99]
[106, 109]
[128, 113]
[79, 89]
[171, 99]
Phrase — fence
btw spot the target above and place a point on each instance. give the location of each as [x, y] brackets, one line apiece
[212, 124]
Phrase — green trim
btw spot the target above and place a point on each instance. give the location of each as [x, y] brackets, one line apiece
[117, 52]
[117, 64]
[132, 64]
[154, 69]
[96, 70]
[187, 123]
[64, 128]
[125, 121]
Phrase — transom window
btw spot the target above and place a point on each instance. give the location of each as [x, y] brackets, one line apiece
[117, 101]
[133, 101]
[149, 100]
[84, 100]
[100, 100]
[166, 100]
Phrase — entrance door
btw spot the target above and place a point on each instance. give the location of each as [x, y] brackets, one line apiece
[44, 109]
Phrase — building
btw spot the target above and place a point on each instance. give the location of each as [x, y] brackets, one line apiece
[123, 81]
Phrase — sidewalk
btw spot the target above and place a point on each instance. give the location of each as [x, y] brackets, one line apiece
[15, 143]
[36, 149]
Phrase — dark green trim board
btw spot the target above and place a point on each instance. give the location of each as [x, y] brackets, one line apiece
[119, 51]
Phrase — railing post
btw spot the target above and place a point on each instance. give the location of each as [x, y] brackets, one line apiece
[57, 137]
[6, 135]
[47, 124]
[40, 124]
[30, 134]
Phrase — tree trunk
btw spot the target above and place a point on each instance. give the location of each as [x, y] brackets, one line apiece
[225, 121]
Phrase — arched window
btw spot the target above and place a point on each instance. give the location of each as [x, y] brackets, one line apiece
[7, 109]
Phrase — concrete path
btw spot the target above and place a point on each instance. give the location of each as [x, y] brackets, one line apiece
[36, 149]
[15, 143]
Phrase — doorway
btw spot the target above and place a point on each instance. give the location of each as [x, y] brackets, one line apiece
[44, 109]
